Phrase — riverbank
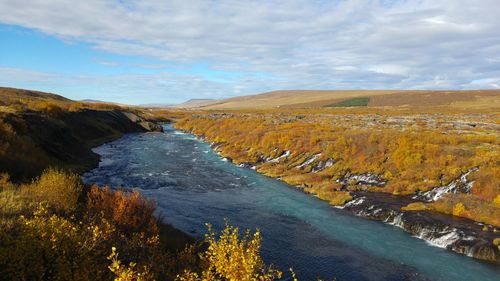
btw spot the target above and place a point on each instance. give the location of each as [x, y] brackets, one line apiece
[460, 235]
[456, 234]
[32, 141]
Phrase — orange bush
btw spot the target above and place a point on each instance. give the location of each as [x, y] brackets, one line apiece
[129, 211]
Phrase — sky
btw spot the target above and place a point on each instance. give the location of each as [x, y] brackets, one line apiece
[158, 51]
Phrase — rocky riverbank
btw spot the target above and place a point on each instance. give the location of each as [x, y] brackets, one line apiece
[456, 234]
[453, 233]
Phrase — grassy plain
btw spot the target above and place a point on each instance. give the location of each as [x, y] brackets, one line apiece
[377, 98]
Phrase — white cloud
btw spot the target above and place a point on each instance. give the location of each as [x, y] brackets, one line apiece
[298, 44]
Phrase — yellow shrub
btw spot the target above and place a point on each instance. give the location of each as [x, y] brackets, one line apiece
[458, 209]
[496, 242]
[50, 108]
[59, 189]
[416, 206]
[229, 258]
[496, 201]
[127, 273]
[51, 247]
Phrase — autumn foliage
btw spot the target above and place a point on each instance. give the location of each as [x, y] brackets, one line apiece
[55, 229]
[130, 211]
[411, 152]
[61, 231]
[231, 258]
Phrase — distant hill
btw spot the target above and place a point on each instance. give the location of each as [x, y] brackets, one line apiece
[156, 105]
[93, 101]
[12, 95]
[30, 98]
[340, 98]
[194, 103]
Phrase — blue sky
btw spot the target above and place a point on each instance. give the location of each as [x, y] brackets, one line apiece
[140, 52]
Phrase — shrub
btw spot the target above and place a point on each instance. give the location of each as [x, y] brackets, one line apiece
[58, 188]
[233, 259]
[130, 211]
[458, 209]
[496, 242]
[127, 273]
[44, 236]
[11, 205]
[50, 247]
[416, 206]
[5, 182]
[51, 109]
[496, 201]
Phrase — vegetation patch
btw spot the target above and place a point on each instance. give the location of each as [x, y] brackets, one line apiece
[93, 233]
[414, 152]
[350, 103]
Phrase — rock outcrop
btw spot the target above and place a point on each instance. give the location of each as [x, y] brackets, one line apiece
[459, 185]
[145, 124]
[453, 233]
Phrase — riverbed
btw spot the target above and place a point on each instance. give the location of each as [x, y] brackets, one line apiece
[193, 186]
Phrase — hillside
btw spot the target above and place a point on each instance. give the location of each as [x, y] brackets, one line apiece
[194, 103]
[9, 96]
[38, 130]
[375, 98]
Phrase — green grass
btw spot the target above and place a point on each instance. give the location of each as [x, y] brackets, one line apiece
[350, 102]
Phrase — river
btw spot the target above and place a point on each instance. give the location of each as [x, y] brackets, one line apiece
[193, 185]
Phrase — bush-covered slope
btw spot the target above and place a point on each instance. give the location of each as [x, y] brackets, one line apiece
[331, 154]
[39, 130]
[55, 228]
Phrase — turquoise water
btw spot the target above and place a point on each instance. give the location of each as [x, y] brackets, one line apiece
[193, 185]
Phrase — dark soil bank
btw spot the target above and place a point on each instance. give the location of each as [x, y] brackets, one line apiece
[64, 140]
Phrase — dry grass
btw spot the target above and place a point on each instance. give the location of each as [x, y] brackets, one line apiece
[480, 102]
[295, 98]
[378, 98]
[433, 98]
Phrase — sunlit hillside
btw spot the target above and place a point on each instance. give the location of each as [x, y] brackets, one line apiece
[339, 98]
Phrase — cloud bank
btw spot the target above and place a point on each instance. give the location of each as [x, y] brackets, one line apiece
[269, 45]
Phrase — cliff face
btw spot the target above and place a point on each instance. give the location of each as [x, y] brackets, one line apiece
[36, 141]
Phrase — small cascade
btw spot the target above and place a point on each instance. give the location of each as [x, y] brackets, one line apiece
[362, 179]
[354, 202]
[323, 165]
[398, 221]
[436, 232]
[459, 185]
[308, 161]
[281, 157]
